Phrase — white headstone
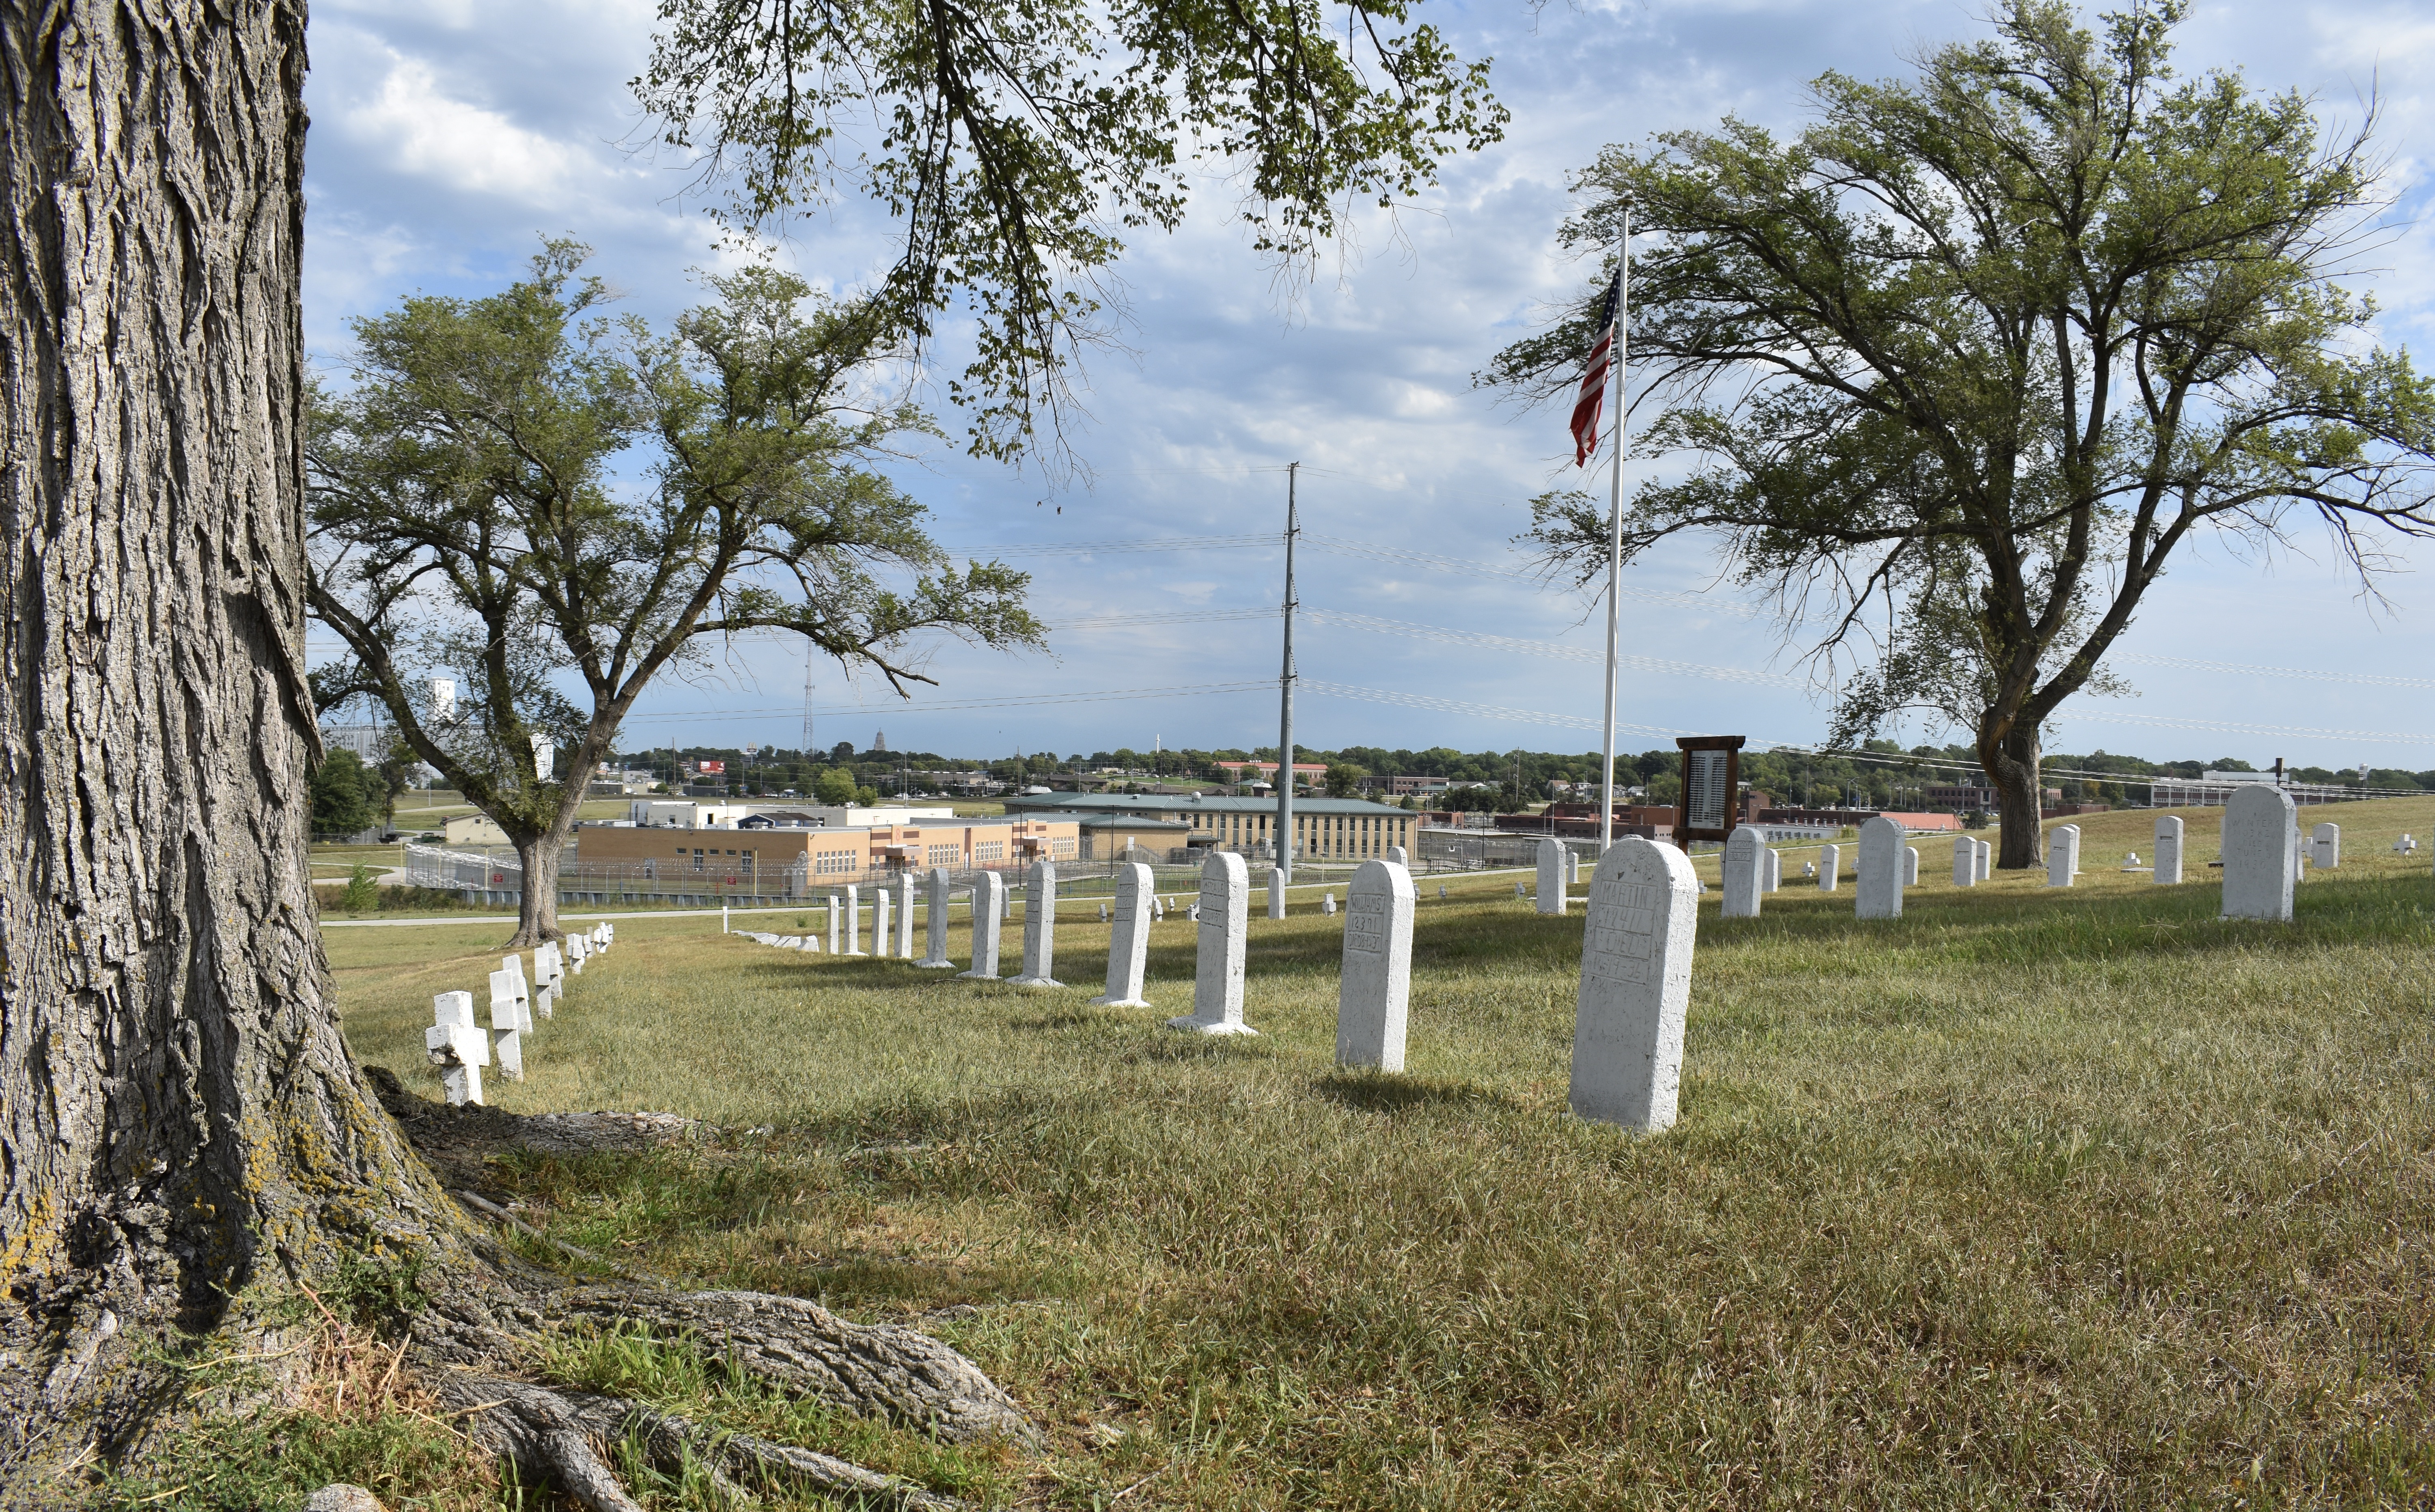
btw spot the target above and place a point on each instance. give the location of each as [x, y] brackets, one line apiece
[1965, 861]
[1374, 993]
[2261, 842]
[1635, 986]
[1572, 868]
[1773, 879]
[2326, 847]
[1005, 902]
[1160, 913]
[2063, 855]
[1986, 860]
[1878, 893]
[1910, 866]
[904, 916]
[507, 1021]
[1103, 907]
[1745, 872]
[1396, 853]
[1039, 928]
[1276, 895]
[880, 931]
[989, 896]
[457, 1046]
[574, 953]
[1830, 867]
[853, 920]
[1327, 904]
[1551, 875]
[835, 915]
[514, 966]
[1224, 908]
[935, 932]
[722, 920]
[1129, 942]
[2168, 847]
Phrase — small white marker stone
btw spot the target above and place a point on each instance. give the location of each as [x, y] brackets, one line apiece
[989, 894]
[1129, 943]
[1038, 929]
[2168, 847]
[1635, 986]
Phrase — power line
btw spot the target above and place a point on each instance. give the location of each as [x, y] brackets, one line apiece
[1548, 648]
[2371, 679]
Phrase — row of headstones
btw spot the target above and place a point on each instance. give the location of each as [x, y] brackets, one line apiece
[460, 1048]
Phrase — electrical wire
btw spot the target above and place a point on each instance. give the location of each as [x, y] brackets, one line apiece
[2369, 678]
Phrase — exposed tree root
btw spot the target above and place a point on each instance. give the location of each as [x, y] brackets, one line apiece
[562, 1436]
[484, 1321]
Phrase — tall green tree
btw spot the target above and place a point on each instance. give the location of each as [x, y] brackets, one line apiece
[470, 524]
[1016, 145]
[1992, 347]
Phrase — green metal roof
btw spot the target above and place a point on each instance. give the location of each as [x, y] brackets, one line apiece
[1185, 805]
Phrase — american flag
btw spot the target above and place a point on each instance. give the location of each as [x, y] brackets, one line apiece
[1591, 403]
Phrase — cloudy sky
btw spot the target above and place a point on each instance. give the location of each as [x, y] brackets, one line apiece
[448, 135]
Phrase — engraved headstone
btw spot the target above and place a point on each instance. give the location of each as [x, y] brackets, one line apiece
[989, 890]
[457, 1046]
[1551, 875]
[1635, 986]
[853, 920]
[1396, 853]
[1129, 943]
[2325, 847]
[2063, 855]
[1744, 871]
[1223, 908]
[1374, 991]
[880, 931]
[1038, 929]
[1830, 867]
[2261, 842]
[1910, 866]
[507, 1023]
[835, 913]
[904, 916]
[1877, 893]
[2168, 847]
[1986, 860]
[1773, 881]
[1965, 861]
[935, 930]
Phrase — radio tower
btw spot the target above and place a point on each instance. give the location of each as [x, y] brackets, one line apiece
[807, 703]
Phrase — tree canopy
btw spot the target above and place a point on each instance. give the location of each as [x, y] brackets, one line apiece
[1989, 346]
[519, 496]
[1017, 145]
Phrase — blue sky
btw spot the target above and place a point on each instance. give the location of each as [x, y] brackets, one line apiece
[448, 135]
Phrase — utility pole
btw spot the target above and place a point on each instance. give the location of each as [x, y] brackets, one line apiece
[1284, 875]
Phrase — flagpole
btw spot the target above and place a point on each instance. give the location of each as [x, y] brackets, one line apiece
[1615, 524]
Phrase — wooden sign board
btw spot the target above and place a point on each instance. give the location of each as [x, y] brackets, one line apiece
[1712, 782]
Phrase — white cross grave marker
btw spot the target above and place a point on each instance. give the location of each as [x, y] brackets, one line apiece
[458, 1047]
[506, 1021]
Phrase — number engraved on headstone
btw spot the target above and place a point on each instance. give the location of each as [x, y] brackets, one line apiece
[1365, 925]
[1623, 932]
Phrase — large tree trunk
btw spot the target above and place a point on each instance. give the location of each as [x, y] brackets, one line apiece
[2012, 764]
[178, 1118]
[537, 904]
[175, 1101]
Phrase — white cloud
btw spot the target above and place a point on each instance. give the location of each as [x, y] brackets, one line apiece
[428, 134]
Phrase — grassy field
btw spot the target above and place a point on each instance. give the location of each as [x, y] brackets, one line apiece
[2032, 1198]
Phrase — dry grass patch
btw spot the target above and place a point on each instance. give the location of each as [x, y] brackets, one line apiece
[2032, 1197]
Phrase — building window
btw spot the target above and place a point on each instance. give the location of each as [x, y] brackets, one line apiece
[1060, 848]
[832, 863]
[942, 855]
[987, 850]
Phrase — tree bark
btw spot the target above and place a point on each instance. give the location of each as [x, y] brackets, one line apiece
[2011, 761]
[178, 1116]
[537, 903]
[175, 1099]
